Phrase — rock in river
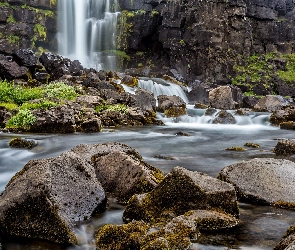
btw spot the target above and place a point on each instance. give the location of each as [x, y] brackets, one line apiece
[48, 197]
[267, 181]
[182, 190]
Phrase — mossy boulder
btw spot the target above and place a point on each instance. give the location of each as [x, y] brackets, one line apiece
[287, 125]
[22, 143]
[285, 147]
[120, 169]
[264, 181]
[181, 191]
[171, 106]
[49, 197]
[121, 237]
[129, 81]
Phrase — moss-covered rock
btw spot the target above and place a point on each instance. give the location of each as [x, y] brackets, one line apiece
[49, 197]
[285, 147]
[182, 190]
[120, 169]
[263, 181]
[121, 237]
[288, 125]
[171, 106]
[22, 143]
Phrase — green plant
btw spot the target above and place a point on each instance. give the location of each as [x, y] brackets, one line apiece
[13, 39]
[60, 90]
[40, 30]
[11, 19]
[9, 105]
[122, 108]
[24, 119]
[42, 104]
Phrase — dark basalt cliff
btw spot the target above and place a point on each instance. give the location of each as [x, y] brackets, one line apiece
[203, 39]
[27, 24]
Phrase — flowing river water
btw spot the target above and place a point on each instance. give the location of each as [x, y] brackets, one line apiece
[203, 150]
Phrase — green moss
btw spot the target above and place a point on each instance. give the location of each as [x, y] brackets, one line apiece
[175, 111]
[41, 31]
[122, 108]
[251, 145]
[11, 19]
[236, 149]
[13, 39]
[23, 120]
[9, 106]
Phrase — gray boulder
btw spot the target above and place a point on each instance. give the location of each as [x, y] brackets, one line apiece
[181, 191]
[266, 181]
[224, 117]
[49, 197]
[120, 169]
[172, 106]
[271, 103]
[222, 98]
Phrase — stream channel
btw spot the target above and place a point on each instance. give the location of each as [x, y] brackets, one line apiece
[203, 150]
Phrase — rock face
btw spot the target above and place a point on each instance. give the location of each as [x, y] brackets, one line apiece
[48, 197]
[267, 181]
[27, 24]
[181, 191]
[204, 39]
[120, 169]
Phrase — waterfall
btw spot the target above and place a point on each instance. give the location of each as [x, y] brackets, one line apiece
[87, 32]
[162, 87]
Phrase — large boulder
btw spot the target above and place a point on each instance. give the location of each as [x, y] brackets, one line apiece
[265, 181]
[172, 106]
[25, 57]
[222, 98]
[120, 169]
[285, 147]
[271, 103]
[11, 70]
[283, 115]
[182, 190]
[49, 197]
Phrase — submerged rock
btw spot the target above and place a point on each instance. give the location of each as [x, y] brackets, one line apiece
[121, 237]
[265, 181]
[49, 197]
[120, 169]
[182, 190]
[22, 143]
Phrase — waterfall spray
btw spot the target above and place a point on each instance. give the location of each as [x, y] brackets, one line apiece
[87, 32]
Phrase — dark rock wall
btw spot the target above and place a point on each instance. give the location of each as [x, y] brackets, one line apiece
[203, 39]
[27, 24]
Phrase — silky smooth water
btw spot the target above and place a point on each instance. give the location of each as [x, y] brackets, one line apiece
[203, 150]
[87, 32]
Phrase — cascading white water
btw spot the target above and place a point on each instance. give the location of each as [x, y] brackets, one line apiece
[162, 87]
[87, 32]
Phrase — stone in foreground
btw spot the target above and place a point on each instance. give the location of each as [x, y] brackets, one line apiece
[120, 169]
[48, 197]
[267, 181]
[181, 191]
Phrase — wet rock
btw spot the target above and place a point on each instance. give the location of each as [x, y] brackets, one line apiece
[181, 191]
[234, 148]
[49, 197]
[270, 103]
[25, 57]
[285, 147]
[224, 117]
[287, 125]
[129, 81]
[60, 119]
[210, 111]
[145, 100]
[11, 70]
[252, 145]
[172, 106]
[250, 101]
[182, 134]
[91, 125]
[222, 98]
[22, 143]
[283, 115]
[200, 106]
[288, 240]
[120, 169]
[265, 181]
[121, 237]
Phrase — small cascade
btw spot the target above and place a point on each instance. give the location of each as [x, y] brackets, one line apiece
[161, 87]
[87, 32]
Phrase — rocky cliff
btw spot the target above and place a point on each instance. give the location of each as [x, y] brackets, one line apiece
[27, 24]
[204, 39]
